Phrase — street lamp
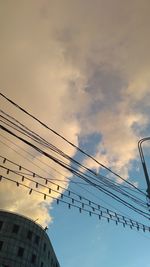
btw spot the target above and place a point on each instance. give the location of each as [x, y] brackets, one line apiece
[144, 164]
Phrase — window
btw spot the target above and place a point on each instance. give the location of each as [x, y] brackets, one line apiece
[29, 235]
[42, 264]
[44, 247]
[33, 258]
[37, 239]
[15, 228]
[1, 224]
[48, 254]
[1, 245]
[20, 252]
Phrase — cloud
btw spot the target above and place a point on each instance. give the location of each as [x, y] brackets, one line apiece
[82, 67]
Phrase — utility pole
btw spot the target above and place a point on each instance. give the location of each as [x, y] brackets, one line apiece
[144, 164]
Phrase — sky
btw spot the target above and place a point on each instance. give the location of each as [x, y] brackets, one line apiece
[82, 67]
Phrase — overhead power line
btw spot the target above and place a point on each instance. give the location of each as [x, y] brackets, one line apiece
[107, 192]
[104, 180]
[123, 195]
[80, 185]
[66, 140]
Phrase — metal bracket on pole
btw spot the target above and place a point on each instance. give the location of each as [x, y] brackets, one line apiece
[144, 164]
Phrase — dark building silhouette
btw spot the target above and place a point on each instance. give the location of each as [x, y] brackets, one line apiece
[24, 243]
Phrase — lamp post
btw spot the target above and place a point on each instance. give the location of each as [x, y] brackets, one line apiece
[144, 164]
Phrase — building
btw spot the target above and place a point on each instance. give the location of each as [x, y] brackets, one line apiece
[24, 243]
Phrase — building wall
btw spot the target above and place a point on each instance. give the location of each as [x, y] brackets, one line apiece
[24, 243]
